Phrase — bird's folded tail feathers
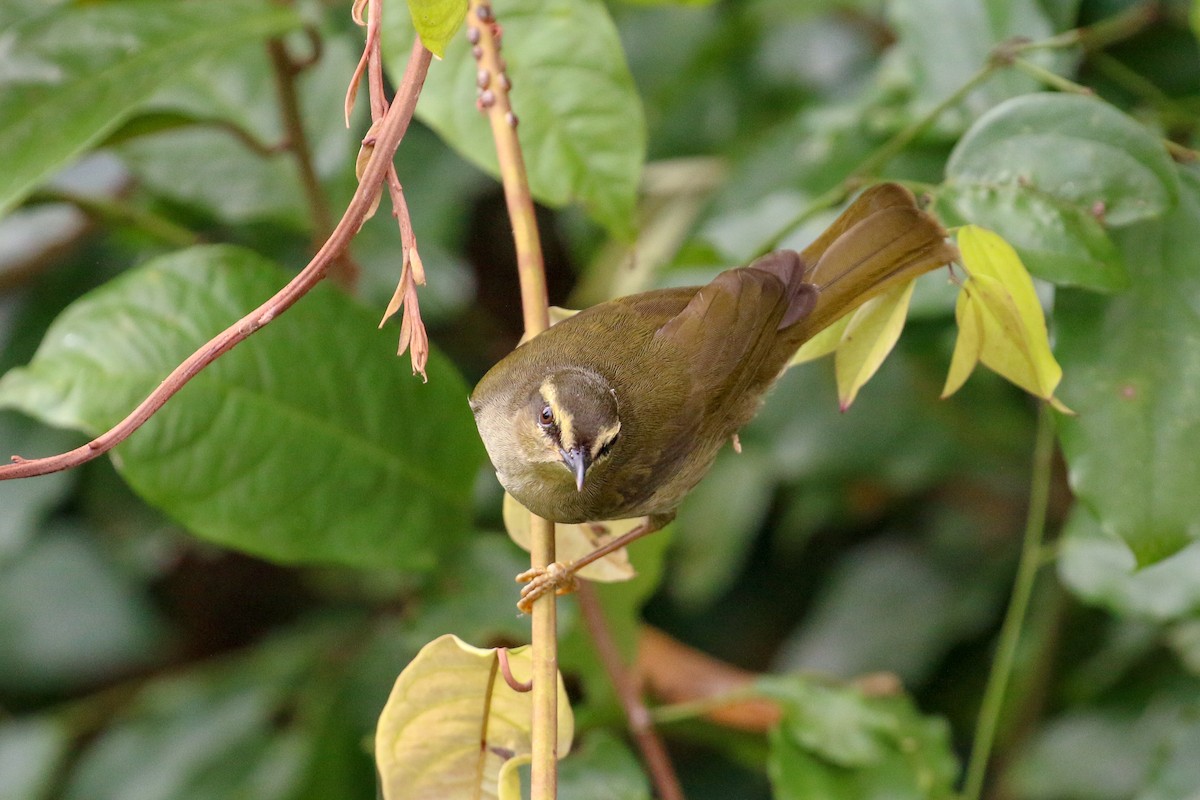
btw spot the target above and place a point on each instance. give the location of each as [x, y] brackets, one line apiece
[880, 241]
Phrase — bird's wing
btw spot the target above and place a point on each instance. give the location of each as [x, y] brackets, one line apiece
[725, 332]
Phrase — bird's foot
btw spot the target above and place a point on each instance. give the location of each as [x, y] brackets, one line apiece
[538, 581]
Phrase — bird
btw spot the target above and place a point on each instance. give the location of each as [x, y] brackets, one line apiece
[620, 410]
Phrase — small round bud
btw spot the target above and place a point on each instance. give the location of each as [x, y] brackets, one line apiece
[473, 35]
[487, 98]
[483, 78]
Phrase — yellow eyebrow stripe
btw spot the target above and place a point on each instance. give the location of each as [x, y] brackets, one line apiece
[566, 434]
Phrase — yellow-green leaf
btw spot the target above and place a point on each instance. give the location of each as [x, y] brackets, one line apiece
[453, 728]
[869, 337]
[1009, 346]
[822, 344]
[1012, 337]
[967, 346]
[986, 253]
[437, 21]
[572, 542]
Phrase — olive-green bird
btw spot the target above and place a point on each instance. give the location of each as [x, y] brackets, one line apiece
[620, 410]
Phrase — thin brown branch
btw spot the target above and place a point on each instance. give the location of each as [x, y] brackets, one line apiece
[654, 753]
[345, 272]
[390, 134]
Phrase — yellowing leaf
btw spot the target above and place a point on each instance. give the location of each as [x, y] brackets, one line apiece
[437, 21]
[986, 253]
[868, 338]
[572, 542]
[1003, 319]
[453, 728]
[967, 346]
[822, 344]
[1009, 346]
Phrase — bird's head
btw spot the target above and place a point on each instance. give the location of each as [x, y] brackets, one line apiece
[568, 421]
[573, 419]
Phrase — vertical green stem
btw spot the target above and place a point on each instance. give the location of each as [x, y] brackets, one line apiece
[1010, 631]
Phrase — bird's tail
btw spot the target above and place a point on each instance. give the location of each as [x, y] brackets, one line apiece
[880, 241]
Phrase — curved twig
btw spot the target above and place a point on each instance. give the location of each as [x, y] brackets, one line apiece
[388, 138]
[506, 671]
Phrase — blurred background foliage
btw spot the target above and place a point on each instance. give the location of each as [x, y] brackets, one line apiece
[221, 608]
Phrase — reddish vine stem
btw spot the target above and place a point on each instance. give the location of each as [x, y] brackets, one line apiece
[654, 753]
[413, 336]
[387, 139]
[506, 671]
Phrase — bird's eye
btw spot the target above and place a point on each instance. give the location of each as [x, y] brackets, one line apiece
[546, 418]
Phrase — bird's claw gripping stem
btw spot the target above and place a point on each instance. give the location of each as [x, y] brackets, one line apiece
[538, 581]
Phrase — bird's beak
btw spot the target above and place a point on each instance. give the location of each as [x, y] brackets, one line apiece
[577, 461]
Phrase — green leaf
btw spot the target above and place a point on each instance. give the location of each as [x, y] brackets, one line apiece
[192, 159]
[69, 618]
[1112, 752]
[1074, 148]
[1101, 569]
[834, 742]
[1059, 242]
[31, 754]
[1131, 364]
[718, 525]
[941, 44]
[73, 76]
[581, 121]
[602, 768]
[307, 442]
[1050, 172]
[237, 731]
[889, 605]
[437, 21]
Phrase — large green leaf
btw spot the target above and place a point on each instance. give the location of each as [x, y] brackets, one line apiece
[308, 442]
[73, 75]
[176, 151]
[836, 743]
[243, 729]
[1050, 172]
[581, 122]
[1131, 366]
[32, 751]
